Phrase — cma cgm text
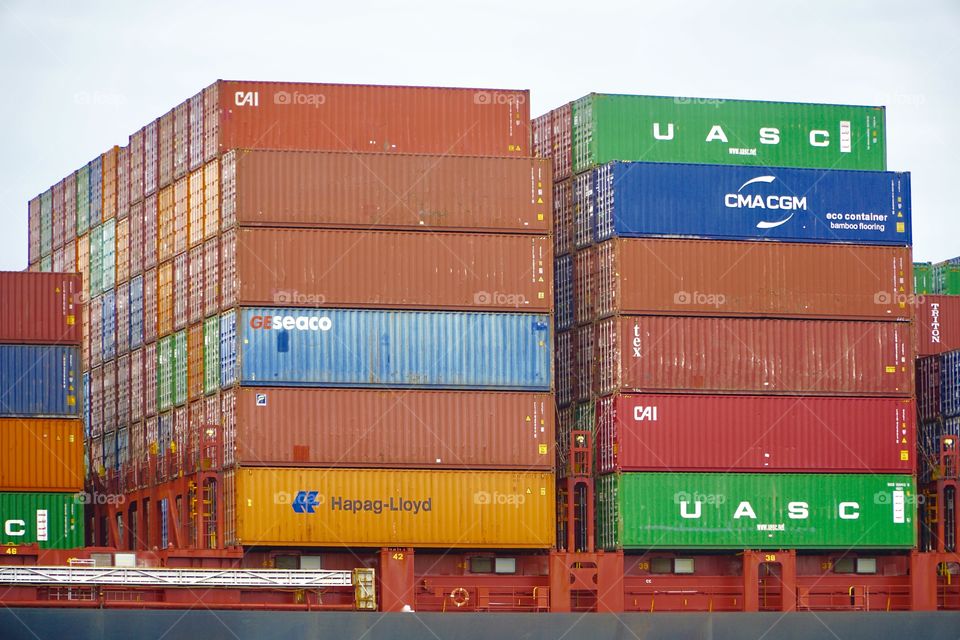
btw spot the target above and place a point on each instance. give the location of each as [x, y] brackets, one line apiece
[291, 323]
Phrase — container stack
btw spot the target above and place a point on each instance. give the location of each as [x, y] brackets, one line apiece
[333, 303]
[735, 336]
[41, 435]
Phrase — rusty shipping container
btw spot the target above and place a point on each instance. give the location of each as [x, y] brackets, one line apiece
[345, 117]
[40, 308]
[747, 355]
[384, 428]
[651, 432]
[387, 508]
[393, 269]
[705, 277]
[937, 327]
[41, 455]
[379, 190]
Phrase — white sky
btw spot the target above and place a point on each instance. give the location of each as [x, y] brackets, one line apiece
[81, 76]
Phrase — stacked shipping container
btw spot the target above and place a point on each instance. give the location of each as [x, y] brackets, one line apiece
[777, 295]
[41, 438]
[292, 276]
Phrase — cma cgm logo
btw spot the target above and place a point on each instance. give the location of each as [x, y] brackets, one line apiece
[305, 502]
[291, 323]
[741, 200]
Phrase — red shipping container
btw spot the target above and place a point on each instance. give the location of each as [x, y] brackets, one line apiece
[413, 429]
[181, 213]
[181, 276]
[151, 153]
[70, 207]
[123, 391]
[58, 216]
[211, 277]
[136, 385]
[150, 239]
[135, 232]
[341, 117]
[563, 367]
[928, 388]
[123, 182]
[136, 166]
[165, 303]
[585, 362]
[746, 355]
[563, 217]
[394, 269]
[937, 324]
[195, 361]
[181, 139]
[123, 318]
[755, 434]
[165, 146]
[96, 402]
[165, 223]
[768, 279]
[123, 250]
[150, 305]
[108, 167]
[195, 285]
[585, 285]
[40, 308]
[228, 269]
[390, 191]
[211, 199]
[150, 380]
[33, 231]
[195, 208]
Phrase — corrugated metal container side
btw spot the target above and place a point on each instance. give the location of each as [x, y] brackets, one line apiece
[928, 388]
[150, 239]
[583, 213]
[50, 520]
[195, 361]
[108, 254]
[108, 326]
[950, 384]
[704, 277]
[585, 286]
[744, 355]
[39, 381]
[164, 373]
[123, 318]
[195, 284]
[83, 199]
[70, 206]
[937, 324]
[46, 222]
[150, 306]
[40, 307]
[379, 428]
[389, 269]
[195, 208]
[180, 365]
[57, 216]
[96, 331]
[541, 129]
[96, 402]
[165, 226]
[755, 511]
[196, 131]
[229, 354]
[563, 217]
[33, 230]
[181, 277]
[136, 385]
[181, 138]
[585, 359]
[564, 368]
[340, 347]
[742, 132]
[85, 410]
[400, 191]
[109, 396]
[136, 312]
[280, 115]
[96, 190]
[123, 250]
[228, 269]
[922, 278]
[929, 436]
[136, 166]
[563, 292]
[946, 278]
[41, 455]
[96, 261]
[755, 433]
[150, 379]
[136, 238]
[123, 182]
[211, 276]
[563, 141]
[749, 203]
[181, 213]
[108, 164]
[123, 390]
[165, 301]
[383, 507]
[165, 150]
[211, 354]
[211, 199]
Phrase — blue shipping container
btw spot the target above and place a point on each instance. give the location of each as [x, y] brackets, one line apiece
[136, 312]
[109, 324]
[950, 384]
[96, 192]
[360, 348]
[563, 292]
[39, 381]
[637, 199]
[228, 349]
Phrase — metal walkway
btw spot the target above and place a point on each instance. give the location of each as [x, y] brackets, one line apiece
[77, 576]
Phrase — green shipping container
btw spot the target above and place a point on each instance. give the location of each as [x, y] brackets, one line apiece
[108, 254]
[46, 263]
[180, 368]
[741, 132]
[922, 277]
[46, 222]
[51, 520]
[211, 355]
[83, 199]
[755, 511]
[96, 261]
[946, 279]
[165, 373]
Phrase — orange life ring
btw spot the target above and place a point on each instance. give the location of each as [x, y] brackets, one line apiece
[460, 597]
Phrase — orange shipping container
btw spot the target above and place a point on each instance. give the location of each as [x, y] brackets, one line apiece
[390, 191]
[109, 183]
[181, 215]
[164, 299]
[195, 361]
[41, 455]
[165, 214]
[388, 508]
[393, 269]
[83, 264]
[195, 206]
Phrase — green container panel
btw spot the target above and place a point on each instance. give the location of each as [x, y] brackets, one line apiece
[51, 520]
[923, 278]
[946, 279]
[755, 511]
[83, 199]
[46, 222]
[211, 355]
[712, 131]
[180, 368]
[108, 253]
[165, 373]
[96, 261]
[46, 263]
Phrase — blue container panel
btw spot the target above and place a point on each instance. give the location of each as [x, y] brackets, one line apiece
[86, 406]
[136, 312]
[563, 292]
[228, 349]
[109, 324]
[950, 384]
[39, 381]
[374, 348]
[636, 199]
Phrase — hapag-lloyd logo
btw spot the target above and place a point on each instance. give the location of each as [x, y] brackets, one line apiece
[740, 200]
[291, 323]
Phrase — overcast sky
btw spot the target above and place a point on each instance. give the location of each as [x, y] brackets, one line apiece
[82, 76]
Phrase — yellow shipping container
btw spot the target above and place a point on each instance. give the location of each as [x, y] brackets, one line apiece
[38, 454]
[390, 507]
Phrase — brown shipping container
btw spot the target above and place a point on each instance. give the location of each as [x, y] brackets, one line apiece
[938, 324]
[40, 308]
[181, 215]
[165, 154]
[378, 428]
[377, 190]
[394, 269]
[391, 507]
[746, 355]
[770, 279]
[344, 117]
[195, 207]
[41, 455]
